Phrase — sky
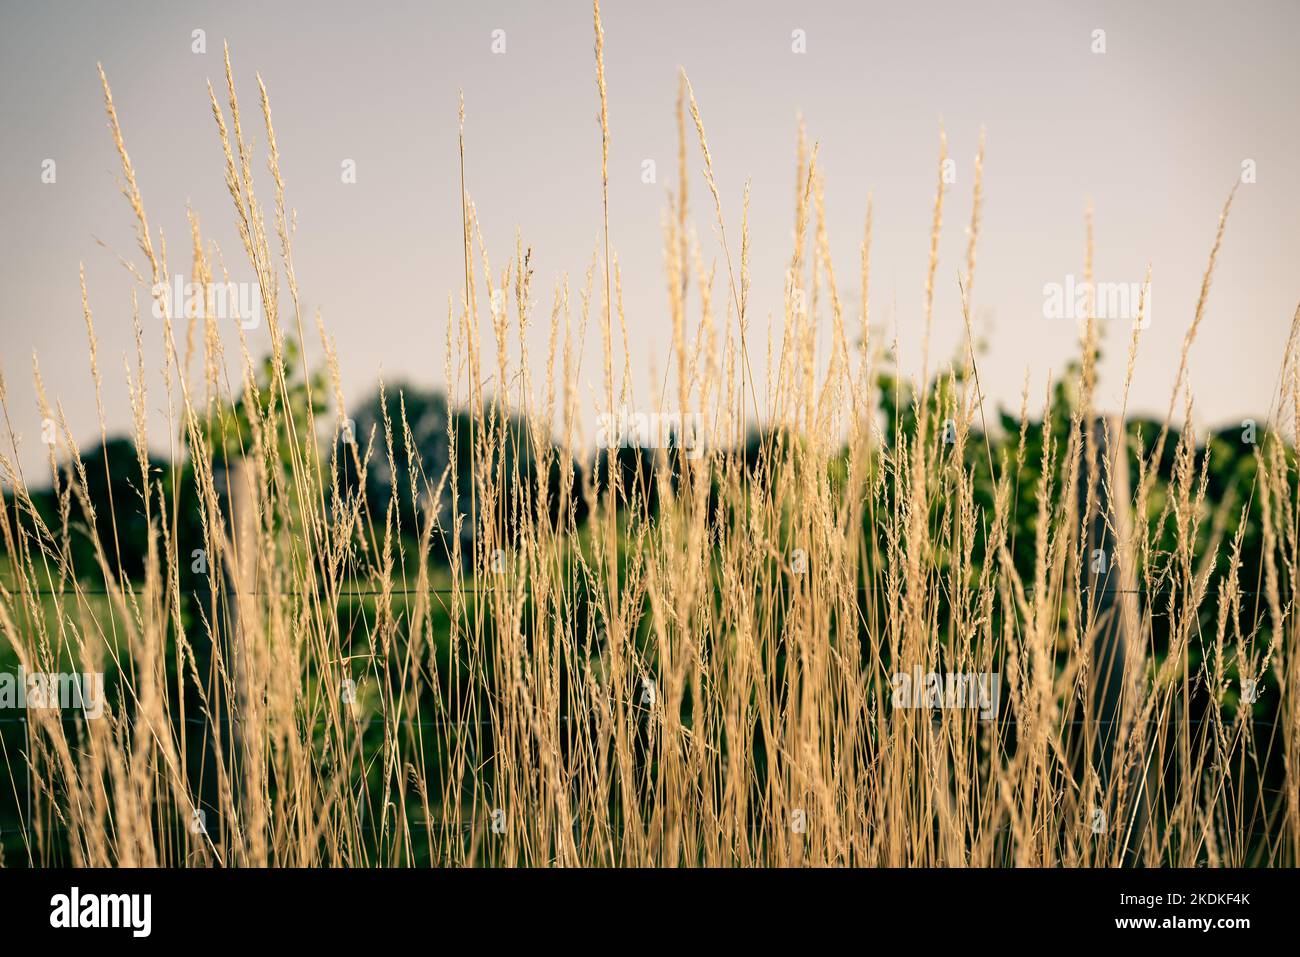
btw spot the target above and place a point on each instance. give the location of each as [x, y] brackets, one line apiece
[1153, 131]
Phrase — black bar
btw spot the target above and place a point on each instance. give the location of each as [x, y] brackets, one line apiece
[613, 911]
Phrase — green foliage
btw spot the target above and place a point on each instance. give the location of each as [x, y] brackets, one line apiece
[228, 431]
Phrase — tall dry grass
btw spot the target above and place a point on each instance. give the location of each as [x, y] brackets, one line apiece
[662, 683]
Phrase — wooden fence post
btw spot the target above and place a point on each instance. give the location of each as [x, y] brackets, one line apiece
[1111, 606]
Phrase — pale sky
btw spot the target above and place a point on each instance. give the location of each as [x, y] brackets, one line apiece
[1153, 131]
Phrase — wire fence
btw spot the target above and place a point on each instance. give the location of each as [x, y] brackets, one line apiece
[474, 589]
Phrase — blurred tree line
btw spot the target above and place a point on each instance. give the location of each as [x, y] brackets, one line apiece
[435, 443]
